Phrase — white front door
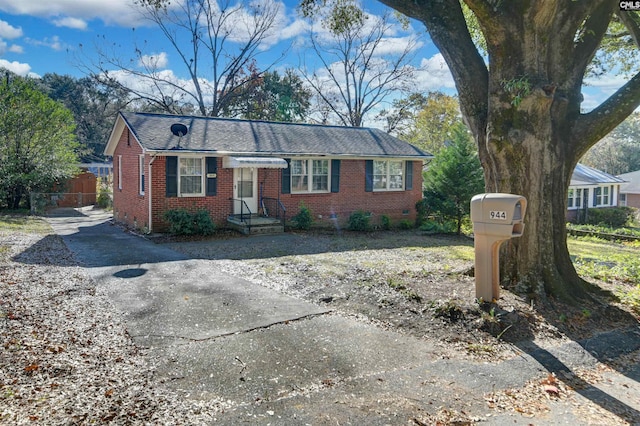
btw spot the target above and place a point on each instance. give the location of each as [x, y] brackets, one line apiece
[245, 188]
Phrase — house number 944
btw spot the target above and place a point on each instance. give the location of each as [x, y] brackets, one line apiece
[498, 215]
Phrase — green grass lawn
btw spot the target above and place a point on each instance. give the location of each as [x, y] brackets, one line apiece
[22, 222]
[612, 262]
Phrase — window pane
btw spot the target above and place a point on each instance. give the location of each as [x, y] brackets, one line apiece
[379, 175]
[298, 167]
[190, 185]
[299, 183]
[320, 183]
[395, 175]
[570, 198]
[320, 167]
[379, 182]
[190, 176]
[379, 167]
[299, 178]
[320, 175]
[395, 168]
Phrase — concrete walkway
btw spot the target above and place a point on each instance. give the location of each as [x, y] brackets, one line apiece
[273, 359]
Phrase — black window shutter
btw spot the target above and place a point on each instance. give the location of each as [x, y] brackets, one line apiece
[335, 175]
[212, 182]
[286, 178]
[172, 176]
[368, 175]
[408, 184]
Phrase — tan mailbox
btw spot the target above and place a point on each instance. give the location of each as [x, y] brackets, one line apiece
[496, 218]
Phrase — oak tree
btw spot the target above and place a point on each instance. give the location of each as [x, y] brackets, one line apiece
[522, 103]
[520, 93]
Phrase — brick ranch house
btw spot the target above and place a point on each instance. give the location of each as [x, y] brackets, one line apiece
[240, 170]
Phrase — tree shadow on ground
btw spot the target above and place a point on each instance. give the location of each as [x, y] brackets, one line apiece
[597, 332]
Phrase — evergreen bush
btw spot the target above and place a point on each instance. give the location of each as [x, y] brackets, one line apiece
[385, 222]
[614, 217]
[184, 222]
[304, 219]
[359, 221]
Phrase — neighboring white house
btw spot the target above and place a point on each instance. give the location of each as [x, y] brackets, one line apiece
[630, 190]
[591, 188]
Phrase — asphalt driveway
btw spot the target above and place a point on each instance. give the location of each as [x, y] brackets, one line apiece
[269, 358]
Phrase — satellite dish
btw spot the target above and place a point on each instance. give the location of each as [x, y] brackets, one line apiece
[179, 129]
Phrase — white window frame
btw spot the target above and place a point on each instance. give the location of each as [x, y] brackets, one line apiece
[202, 176]
[120, 172]
[601, 196]
[308, 173]
[571, 195]
[141, 174]
[387, 177]
[574, 198]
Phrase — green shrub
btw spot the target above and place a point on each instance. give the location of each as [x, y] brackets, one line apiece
[422, 209]
[304, 218]
[432, 227]
[184, 222]
[104, 198]
[359, 221]
[615, 217]
[405, 224]
[385, 222]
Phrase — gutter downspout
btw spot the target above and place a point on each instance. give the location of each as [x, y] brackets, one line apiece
[150, 184]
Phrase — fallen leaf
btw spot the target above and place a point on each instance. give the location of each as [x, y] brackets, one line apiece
[552, 390]
[31, 368]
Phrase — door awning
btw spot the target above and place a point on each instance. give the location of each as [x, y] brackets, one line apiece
[259, 162]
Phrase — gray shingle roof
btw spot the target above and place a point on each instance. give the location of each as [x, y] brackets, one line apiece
[238, 137]
[585, 175]
[633, 182]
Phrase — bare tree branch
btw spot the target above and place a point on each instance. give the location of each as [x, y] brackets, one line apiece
[215, 44]
[359, 74]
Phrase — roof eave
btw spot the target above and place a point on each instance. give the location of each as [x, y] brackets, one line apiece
[285, 154]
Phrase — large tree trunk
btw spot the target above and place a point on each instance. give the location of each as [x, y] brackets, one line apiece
[523, 153]
[524, 112]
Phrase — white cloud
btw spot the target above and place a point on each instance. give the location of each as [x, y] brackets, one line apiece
[9, 31]
[14, 48]
[16, 67]
[155, 61]
[52, 42]
[397, 45]
[120, 12]
[75, 23]
[433, 74]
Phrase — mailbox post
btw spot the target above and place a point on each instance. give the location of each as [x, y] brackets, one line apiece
[496, 218]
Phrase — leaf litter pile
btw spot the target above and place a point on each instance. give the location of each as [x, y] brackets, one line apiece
[66, 357]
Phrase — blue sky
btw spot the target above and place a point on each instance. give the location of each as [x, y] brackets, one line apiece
[43, 36]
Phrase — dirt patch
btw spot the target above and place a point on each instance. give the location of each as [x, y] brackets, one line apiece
[414, 283]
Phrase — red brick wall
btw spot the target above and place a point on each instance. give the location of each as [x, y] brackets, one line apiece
[129, 207]
[219, 206]
[328, 209]
[352, 196]
[633, 200]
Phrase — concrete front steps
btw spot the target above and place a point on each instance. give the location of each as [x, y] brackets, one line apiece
[255, 225]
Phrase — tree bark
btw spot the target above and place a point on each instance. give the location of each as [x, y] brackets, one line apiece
[524, 112]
